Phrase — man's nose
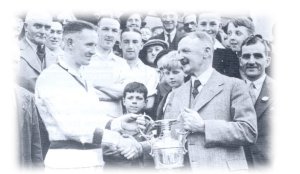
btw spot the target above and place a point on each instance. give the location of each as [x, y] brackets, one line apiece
[251, 60]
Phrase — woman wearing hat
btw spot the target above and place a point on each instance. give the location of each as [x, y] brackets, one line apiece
[150, 49]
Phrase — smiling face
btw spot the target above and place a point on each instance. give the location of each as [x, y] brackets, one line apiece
[83, 46]
[236, 36]
[131, 44]
[169, 21]
[108, 32]
[210, 24]
[134, 102]
[191, 54]
[134, 21]
[55, 36]
[254, 61]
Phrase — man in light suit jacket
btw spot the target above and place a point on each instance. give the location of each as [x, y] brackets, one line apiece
[32, 49]
[254, 59]
[170, 33]
[216, 110]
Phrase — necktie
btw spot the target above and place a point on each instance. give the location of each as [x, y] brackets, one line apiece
[195, 91]
[41, 52]
[169, 38]
[252, 92]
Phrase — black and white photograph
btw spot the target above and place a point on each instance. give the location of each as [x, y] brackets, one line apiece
[116, 89]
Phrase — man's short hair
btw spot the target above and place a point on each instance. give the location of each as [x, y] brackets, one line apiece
[129, 30]
[109, 17]
[254, 39]
[77, 27]
[135, 87]
[244, 22]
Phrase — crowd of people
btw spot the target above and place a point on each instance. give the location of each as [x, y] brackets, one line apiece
[84, 84]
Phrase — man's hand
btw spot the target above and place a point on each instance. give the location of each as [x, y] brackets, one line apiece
[109, 149]
[133, 122]
[130, 148]
[192, 121]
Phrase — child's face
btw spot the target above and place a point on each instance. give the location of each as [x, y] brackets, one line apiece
[134, 102]
[175, 77]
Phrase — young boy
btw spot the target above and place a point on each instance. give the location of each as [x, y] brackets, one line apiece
[135, 101]
[174, 75]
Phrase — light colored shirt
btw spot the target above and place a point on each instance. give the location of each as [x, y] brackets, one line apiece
[203, 78]
[257, 85]
[69, 110]
[172, 35]
[144, 74]
[108, 71]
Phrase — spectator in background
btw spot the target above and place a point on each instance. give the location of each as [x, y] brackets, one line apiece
[157, 30]
[53, 42]
[108, 72]
[224, 60]
[190, 23]
[170, 33]
[131, 44]
[238, 30]
[32, 48]
[151, 49]
[174, 76]
[146, 34]
[132, 20]
[254, 59]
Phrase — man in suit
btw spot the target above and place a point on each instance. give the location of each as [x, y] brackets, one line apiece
[216, 110]
[32, 48]
[170, 34]
[254, 59]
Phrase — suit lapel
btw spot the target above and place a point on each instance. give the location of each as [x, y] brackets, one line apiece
[28, 54]
[263, 100]
[184, 95]
[209, 91]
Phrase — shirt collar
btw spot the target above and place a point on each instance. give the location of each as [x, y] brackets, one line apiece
[204, 77]
[68, 68]
[257, 83]
[110, 56]
[172, 34]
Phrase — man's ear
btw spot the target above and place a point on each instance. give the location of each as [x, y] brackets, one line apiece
[123, 100]
[25, 26]
[268, 61]
[69, 42]
[207, 52]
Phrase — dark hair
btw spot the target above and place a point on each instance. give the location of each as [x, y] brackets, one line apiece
[135, 87]
[254, 39]
[132, 29]
[244, 22]
[77, 26]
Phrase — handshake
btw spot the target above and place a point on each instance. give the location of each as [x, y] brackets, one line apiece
[127, 146]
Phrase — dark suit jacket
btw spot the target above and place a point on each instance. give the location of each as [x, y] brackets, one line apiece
[230, 122]
[30, 150]
[226, 62]
[30, 66]
[259, 154]
[175, 41]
